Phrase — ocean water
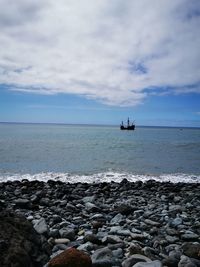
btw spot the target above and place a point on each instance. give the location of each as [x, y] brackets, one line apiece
[73, 153]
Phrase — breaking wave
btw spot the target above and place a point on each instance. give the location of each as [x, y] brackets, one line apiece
[101, 177]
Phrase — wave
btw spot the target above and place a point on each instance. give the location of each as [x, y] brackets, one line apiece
[101, 177]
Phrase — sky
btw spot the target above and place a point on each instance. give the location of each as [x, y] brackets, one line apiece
[98, 62]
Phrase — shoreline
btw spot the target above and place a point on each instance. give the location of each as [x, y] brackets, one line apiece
[152, 219]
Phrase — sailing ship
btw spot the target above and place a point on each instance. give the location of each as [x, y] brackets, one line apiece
[128, 127]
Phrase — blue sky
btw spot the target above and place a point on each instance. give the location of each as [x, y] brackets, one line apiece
[100, 61]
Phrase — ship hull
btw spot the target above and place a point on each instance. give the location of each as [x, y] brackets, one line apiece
[132, 127]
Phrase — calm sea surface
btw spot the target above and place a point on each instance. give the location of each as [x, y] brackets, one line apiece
[95, 153]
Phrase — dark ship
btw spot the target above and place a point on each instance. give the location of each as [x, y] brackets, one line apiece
[128, 127]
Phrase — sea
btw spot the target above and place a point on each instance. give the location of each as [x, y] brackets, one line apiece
[93, 154]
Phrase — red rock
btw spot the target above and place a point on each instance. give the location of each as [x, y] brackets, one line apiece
[71, 258]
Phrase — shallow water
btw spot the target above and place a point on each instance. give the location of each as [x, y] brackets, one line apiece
[90, 153]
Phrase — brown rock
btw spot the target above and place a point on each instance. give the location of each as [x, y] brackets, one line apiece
[191, 250]
[71, 258]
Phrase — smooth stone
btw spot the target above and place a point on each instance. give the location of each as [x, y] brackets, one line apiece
[22, 203]
[138, 237]
[112, 239]
[61, 241]
[71, 257]
[124, 232]
[135, 248]
[131, 261]
[189, 236]
[92, 238]
[67, 233]
[88, 246]
[91, 207]
[175, 208]
[171, 239]
[102, 254]
[155, 263]
[88, 199]
[118, 253]
[58, 247]
[177, 221]
[117, 219]
[186, 262]
[41, 226]
[97, 216]
[170, 262]
[152, 223]
[171, 231]
[135, 231]
[115, 229]
[54, 233]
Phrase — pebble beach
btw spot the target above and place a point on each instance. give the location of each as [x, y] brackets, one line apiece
[115, 224]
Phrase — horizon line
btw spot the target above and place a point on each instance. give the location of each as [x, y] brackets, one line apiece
[93, 124]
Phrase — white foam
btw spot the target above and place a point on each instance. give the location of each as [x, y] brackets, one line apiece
[101, 177]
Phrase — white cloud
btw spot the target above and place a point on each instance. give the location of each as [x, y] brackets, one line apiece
[111, 51]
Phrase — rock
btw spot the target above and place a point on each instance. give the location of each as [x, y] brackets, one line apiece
[71, 258]
[88, 246]
[20, 245]
[131, 261]
[118, 253]
[102, 254]
[138, 237]
[152, 223]
[124, 232]
[61, 241]
[186, 262]
[189, 236]
[41, 226]
[91, 207]
[90, 199]
[22, 203]
[175, 208]
[155, 263]
[68, 233]
[115, 229]
[135, 249]
[191, 250]
[93, 239]
[171, 239]
[125, 209]
[176, 222]
[112, 239]
[171, 261]
[117, 219]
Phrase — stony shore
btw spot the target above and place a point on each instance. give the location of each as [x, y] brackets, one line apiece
[117, 224]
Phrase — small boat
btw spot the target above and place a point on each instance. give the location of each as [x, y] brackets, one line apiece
[128, 127]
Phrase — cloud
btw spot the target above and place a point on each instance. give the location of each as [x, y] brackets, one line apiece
[116, 52]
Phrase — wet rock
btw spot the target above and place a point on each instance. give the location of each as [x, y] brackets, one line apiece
[71, 258]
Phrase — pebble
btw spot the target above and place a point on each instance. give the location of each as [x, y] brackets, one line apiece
[114, 221]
